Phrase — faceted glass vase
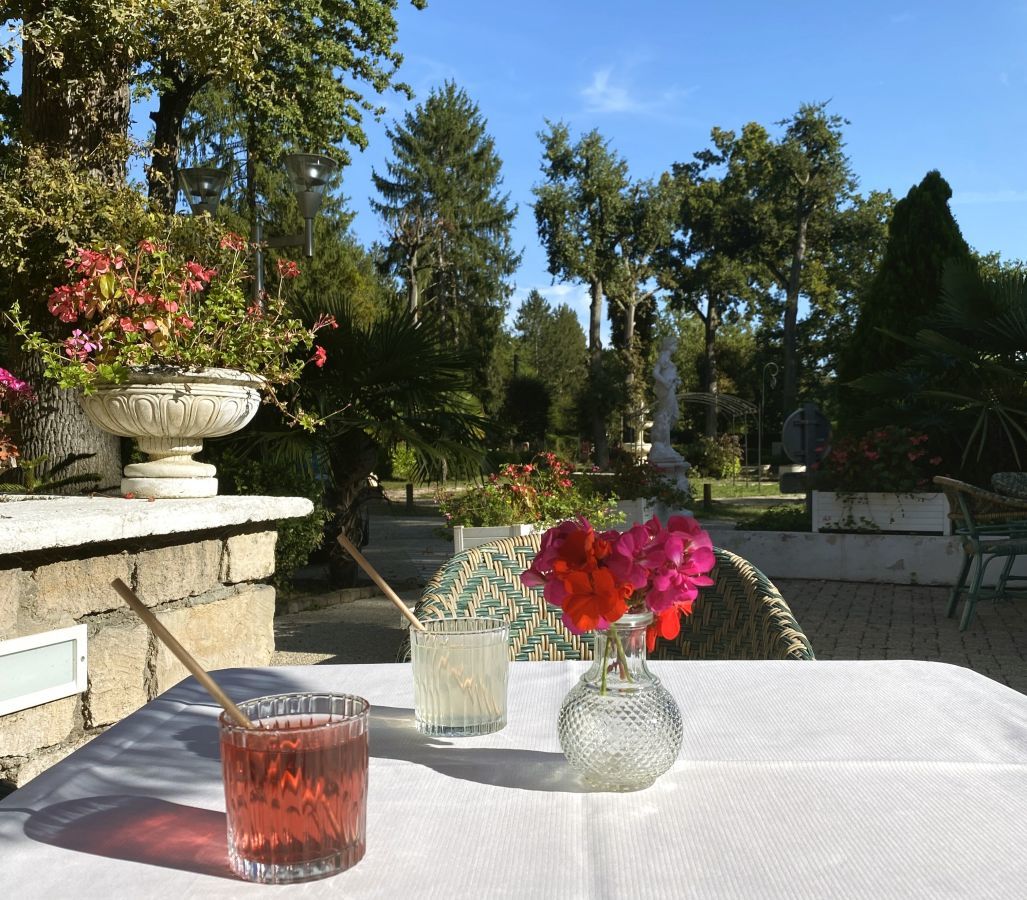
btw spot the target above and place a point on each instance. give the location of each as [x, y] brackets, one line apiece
[619, 726]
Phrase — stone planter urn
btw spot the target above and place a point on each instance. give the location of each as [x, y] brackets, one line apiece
[169, 412]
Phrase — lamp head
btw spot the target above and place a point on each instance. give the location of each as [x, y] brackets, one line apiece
[202, 187]
[309, 174]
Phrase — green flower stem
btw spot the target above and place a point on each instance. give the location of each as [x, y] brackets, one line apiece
[622, 657]
[606, 652]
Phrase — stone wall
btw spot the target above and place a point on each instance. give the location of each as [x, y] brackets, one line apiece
[203, 585]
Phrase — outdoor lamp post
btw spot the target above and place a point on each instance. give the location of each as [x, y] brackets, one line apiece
[772, 366]
[309, 175]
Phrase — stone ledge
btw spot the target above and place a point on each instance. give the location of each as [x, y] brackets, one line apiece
[44, 523]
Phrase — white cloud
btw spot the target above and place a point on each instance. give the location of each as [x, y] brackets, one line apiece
[604, 96]
[980, 197]
[612, 93]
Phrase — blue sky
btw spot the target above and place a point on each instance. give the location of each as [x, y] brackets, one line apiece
[924, 85]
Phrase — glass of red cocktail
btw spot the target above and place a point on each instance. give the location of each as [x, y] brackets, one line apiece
[296, 786]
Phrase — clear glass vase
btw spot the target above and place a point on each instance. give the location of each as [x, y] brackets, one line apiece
[619, 726]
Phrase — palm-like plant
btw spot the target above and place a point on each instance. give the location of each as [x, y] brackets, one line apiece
[966, 378]
[392, 381]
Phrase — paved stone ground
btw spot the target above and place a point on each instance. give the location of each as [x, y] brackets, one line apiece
[843, 620]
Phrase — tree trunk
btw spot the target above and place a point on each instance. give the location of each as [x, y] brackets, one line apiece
[163, 169]
[790, 388]
[601, 447]
[413, 292]
[54, 426]
[350, 501]
[711, 322]
[630, 412]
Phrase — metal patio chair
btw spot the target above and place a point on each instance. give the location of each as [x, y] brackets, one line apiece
[742, 616]
[991, 527]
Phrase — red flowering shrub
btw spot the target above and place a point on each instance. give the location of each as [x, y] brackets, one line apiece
[159, 305]
[539, 491]
[892, 458]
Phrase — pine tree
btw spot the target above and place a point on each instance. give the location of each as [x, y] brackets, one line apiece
[449, 225]
[551, 347]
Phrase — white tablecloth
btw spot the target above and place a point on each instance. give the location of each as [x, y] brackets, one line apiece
[820, 780]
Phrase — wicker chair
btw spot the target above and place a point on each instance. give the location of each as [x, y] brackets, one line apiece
[991, 526]
[742, 616]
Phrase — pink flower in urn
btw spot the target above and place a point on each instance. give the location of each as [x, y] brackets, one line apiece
[80, 345]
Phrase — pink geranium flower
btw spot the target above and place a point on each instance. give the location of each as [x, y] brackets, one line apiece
[647, 567]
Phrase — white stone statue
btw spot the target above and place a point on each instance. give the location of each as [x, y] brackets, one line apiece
[661, 454]
[666, 383]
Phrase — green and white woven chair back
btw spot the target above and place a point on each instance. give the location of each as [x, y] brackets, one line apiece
[486, 581]
[742, 616]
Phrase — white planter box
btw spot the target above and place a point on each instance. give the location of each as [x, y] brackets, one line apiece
[924, 513]
[466, 537]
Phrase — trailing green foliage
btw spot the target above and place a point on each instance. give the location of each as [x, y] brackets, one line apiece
[158, 305]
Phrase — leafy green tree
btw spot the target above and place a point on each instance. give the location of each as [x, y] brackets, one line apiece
[449, 225]
[72, 115]
[276, 71]
[792, 187]
[647, 216]
[906, 290]
[80, 62]
[579, 214]
[567, 369]
[707, 267]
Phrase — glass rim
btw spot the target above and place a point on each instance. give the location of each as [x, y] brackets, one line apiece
[227, 724]
[494, 624]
